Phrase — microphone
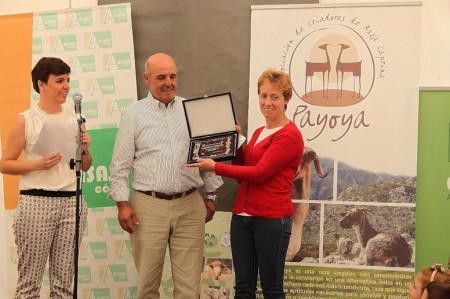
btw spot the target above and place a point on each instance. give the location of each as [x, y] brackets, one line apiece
[77, 97]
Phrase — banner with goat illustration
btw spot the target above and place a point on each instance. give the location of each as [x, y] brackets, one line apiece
[355, 74]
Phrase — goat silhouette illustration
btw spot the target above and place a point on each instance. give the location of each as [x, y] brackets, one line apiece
[347, 67]
[318, 67]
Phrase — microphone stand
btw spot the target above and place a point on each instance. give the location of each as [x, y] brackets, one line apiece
[77, 165]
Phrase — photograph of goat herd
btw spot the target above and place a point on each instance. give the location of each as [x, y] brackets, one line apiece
[370, 221]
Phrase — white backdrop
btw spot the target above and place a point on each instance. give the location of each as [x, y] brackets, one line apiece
[383, 124]
[355, 73]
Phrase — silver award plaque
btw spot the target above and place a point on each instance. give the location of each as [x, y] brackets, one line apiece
[211, 122]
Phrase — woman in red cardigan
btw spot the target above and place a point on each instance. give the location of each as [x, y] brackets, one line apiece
[262, 213]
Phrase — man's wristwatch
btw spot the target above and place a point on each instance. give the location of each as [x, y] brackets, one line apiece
[212, 197]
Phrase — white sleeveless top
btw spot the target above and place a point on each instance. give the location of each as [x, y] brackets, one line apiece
[58, 178]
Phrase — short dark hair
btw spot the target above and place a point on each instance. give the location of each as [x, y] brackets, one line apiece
[438, 290]
[45, 67]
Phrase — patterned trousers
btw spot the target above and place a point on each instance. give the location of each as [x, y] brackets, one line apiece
[44, 229]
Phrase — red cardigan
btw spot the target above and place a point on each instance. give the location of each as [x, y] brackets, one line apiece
[266, 173]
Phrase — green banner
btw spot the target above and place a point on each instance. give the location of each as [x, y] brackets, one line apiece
[96, 180]
[433, 179]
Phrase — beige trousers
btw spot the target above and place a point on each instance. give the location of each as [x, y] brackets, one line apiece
[179, 224]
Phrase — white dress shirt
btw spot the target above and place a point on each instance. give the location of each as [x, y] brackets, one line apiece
[152, 145]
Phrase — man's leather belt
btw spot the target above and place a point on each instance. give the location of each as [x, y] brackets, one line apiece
[165, 196]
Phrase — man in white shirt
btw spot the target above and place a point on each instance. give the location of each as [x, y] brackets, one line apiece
[152, 145]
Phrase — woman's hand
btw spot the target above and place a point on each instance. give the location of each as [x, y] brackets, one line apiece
[238, 128]
[204, 164]
[86, 140]
[49, 161]
[85, 143]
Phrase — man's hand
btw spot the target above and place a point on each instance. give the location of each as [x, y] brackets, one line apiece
[210, 209]
[126, 217]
